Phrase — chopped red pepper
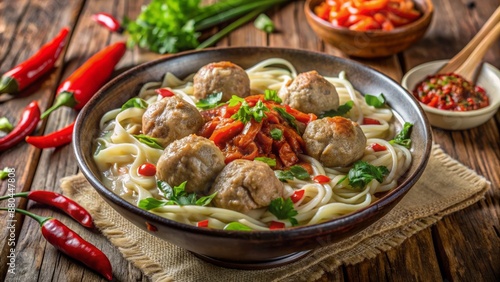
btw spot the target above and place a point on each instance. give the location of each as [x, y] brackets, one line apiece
[164, 92]
[371, 121]
[147, 169]
[82, 84]
[29, 120]
[33, 68]
[321, 179]
[54, 139]
[297, 195]
[377, 147]
[226, 132]
[276, 225]
[202, 223]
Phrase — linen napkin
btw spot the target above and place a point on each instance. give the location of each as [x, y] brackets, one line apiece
[445, 186]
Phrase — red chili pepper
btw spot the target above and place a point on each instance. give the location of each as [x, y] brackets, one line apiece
[28, 123]
[82, 84]
[276, 225]
[371, 121]
[54, 139]
[147, 169]
[203, 223]
[164, 92]
[297, 195]
[70, 243]
[321, 179]
[377, 147]
[33, 68]
[59, 201]
[108, 21]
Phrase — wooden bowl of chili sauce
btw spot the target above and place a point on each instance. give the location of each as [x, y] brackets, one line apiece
[450, 102]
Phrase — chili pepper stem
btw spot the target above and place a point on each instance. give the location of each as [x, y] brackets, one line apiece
[21, 194]
[64, 98]
[40, 219]
[8, 85]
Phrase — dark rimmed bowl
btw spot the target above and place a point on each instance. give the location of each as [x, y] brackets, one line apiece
[251, 250]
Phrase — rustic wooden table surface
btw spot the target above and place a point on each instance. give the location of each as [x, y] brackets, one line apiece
[464, 246]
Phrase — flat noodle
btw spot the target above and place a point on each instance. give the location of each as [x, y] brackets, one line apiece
[119, 154]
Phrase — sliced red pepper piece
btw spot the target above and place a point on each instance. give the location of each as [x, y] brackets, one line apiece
[164, 92]
[300, 116]
[202, 223]
[371, 121]
[82, 84]
[54, 139]
[276, 225]
[37, 65]
[226, 132]
[377, 147]
[321, 179]
[297, 195]
[29, 120]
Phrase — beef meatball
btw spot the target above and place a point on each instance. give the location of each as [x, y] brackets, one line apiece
[171, 118]
[335, 141]
[225, 77]
[193, 159]
[245, 185]
[310, 92]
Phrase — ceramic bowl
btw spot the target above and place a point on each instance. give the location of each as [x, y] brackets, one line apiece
[488, 78]
[239, 249]
[373, 43]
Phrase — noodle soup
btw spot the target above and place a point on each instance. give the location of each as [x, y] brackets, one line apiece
[307, 189]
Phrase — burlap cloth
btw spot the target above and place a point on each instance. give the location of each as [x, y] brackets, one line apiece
[446, 186]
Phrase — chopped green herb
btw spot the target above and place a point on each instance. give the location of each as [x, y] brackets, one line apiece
[295, 171]
[135, 103]
[375, 101]
[175, 196]
[363, 173]
[270, 162]
[341, 111]
[211, 101]
[245, 112]
[264, 23]
[283, 209]
[235, 100]
[150, 141]
[288, 117]
[236, 226]
[276, 133]
[272, 95]
[151, 203]
[5, 125]
[403, 137]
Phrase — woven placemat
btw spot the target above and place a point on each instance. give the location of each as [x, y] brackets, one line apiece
[445, 186]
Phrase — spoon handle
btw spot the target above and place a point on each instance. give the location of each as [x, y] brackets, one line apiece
[469, 69]
[462, 56]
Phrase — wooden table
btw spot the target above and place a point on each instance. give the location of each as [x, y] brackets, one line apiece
[464, 246]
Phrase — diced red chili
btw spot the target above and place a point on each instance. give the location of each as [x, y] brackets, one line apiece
[377, 147]
[202, 223]
[297, 195]
[164, 92]
[276, 225]
[371, 121]
[321, 179]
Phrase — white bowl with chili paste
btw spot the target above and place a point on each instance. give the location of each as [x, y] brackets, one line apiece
[450, 112]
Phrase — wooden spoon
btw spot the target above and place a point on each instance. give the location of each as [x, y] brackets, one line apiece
[468, 60]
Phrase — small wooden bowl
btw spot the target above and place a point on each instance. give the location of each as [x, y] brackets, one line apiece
[373, 43]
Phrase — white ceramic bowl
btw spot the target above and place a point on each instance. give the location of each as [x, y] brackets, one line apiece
[489, 80]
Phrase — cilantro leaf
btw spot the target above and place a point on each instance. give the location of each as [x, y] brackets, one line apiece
[272, 95]
[270, 162]
[151, 203]
[283, 209]
[134, 103]
[177, 196]
[341, 110]
[211, 101]
[245, 112]
[295, 171]
[403, 137]
[276, 133]
[235, 100]
[363, 173]
[375, 101]
[150, 141]
[288, 117]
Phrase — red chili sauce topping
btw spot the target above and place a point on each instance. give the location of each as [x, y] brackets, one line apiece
[450, 92]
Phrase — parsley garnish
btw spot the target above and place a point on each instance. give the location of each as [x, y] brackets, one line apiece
[270, 162]
[288, 117]
[276, 133]
[403, 137]
[134, 103]
[175, 196]
[363, 173]
[375, 101]
[150, 141]
[295, 171]
[283, 209]
[341, 110]
[272, 95]
[211, 101]
[245, 112]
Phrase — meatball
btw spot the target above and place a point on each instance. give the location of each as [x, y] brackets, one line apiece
[171, 118]
[335, 141]
[225, 77]
[310, 92]
[245, 185]
[193, 159]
